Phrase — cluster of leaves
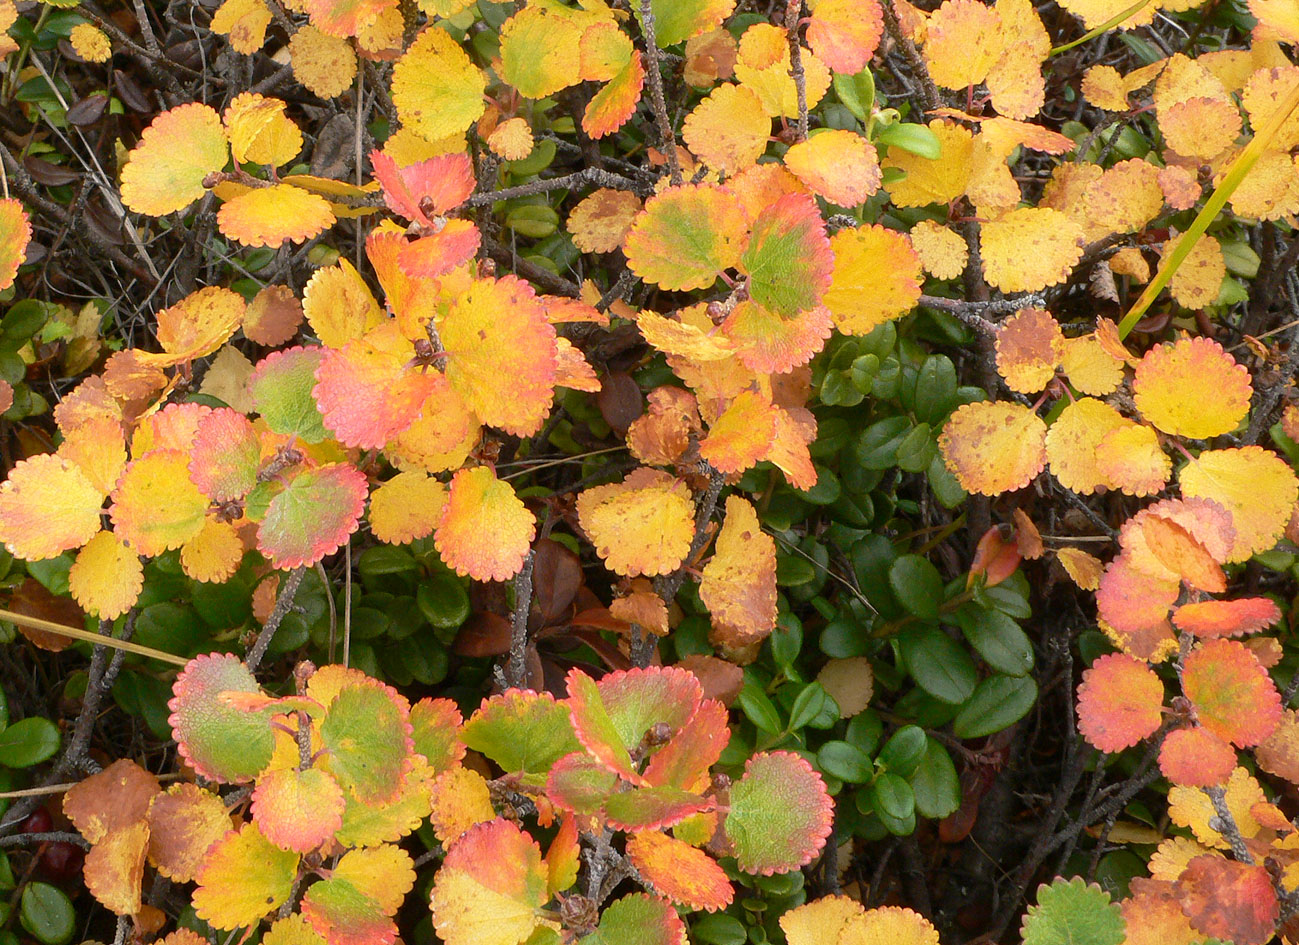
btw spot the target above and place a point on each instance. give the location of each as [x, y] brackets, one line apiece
[343, 770]
[774, 273]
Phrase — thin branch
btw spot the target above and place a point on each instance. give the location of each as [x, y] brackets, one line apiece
[589, 175]
[793, 9]
[53, 836]
[1225, 823]
[929, 91]
[516, 672]
[667, 139]
[668, 585]
[530, 270]
[283, 601]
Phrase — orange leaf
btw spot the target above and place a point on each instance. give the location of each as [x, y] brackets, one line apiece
[1030, 345]
[1227, 618]
[1233, 695]
[479, 504]
[15, 234]
[680, 872]
[841, 166]
[270, 216]
[1196, 757]
[47, 506]
[738, 585]
[1120, 702]
[993, 448]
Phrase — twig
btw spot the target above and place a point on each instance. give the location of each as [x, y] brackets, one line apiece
[529, 270]
[667, 585]
[589, 175]
[516, 672]
[667, 139]
[792, 10]
[53, 836]
[283, 601]
[1225, 824]
[929, 91]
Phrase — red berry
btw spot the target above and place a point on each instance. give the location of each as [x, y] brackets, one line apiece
[61, 863]
[39, 821]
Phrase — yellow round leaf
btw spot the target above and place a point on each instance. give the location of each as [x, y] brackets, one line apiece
[339, 306]
[106, 577]
[876, 278]
[244, 876]
[1131, 459]
[888, 925]
[738, 586]
[762, 64]
[325, 64]
[1072, 441]
[1168, 381]
[728, 130]
[642, 525]
[994, 447]
[1095, 12]
[937, 180]
[1090, 368]
[268, 216]
[1125, 198]
[260, 132]
[214, 554]
[155, 505]
[1255, 485]
[1029, 249]
[942, 251]
[478, 505]
[406, 507]
[1198, 280]
[90, 43]
[512, 139]
[461, 798]
[963, 41]
[245, 22]
[819, 921]
[437, 90]
[47, 506]
[177, 151]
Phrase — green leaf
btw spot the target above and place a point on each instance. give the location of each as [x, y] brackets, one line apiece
[522, 731]
[904, 750]
[28, 742]
[997, 638]
[936, 783]
[1075, 912]
[845, 761]
[865, 731]
[938, 664]
[893, 796]
[917, 585]
[999, 701]
[878, 446]
[808, 704]
[935, 389]
[47, 914]
[856, 92]
[385, 559]
[759, 709]
[908, 136]
[719, 929]
[443, 601]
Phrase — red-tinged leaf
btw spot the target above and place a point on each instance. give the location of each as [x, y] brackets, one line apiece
[297, 810]
[344, 17]
[563, 857]
[451, 245]
[114, 868]
[429, 188]
[845, 33]
[384, 873]
[183, 823]
[595, 729]
[1227, 618]
[686, 237]
[580, 785]
[1195, 757]
[480, 504]
[48, 506]
[1207, 523]
[1279, 753]
[653, 808]
[638, 919]
[435, 731]
[684, 762]
[679, 871]
[637, 700]
[221, 743]
[1120, 702]
[225, 456]
[15, 234]
[1229, 900]
[1233, 695]
[498, 328]
[367, 737]
[273, 316]
[365, 390]
[788, 260]
[524, 732]
[1131, 600]
[244, 876]
[1256, 486]
[366, 825]
[115, 797]
[1178, 551]
[610, 107]
[780, 814]
[493, 878]
[766, 343]
[742, 435]
[344, 915]
[281, 387]
[837, 164]
[313, 516]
